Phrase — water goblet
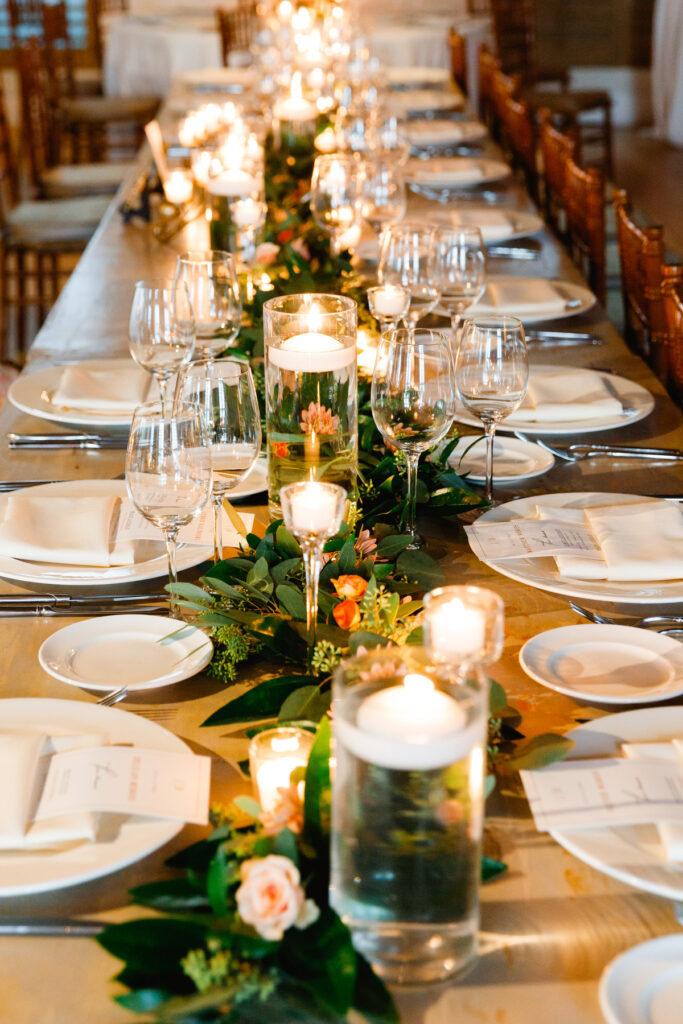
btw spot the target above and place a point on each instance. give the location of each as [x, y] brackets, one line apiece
[168, 471]
[211, 279]
[336, 195]
[413, 399]
[223, 389]
[491, 374]
[161, 329]
[404, 259]
[458, 262]
[312, 511]
[383, 194]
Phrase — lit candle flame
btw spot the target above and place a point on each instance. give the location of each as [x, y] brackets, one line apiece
[296, 90]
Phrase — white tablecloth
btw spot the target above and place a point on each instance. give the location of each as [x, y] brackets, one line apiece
[667, 69]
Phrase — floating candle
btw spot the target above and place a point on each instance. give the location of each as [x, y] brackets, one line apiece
[178, 187]
[295, 107]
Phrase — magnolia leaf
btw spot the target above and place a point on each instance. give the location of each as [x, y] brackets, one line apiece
[391, 546]
[220, 875]
[491, 868]
[171, 895]
[165, 940]
[371, 996]
[262, 701]
[420, 567]
[323, 955]
[541, 751]
[306, 705]
[292, 600]
[287, 544]
[362, 638]
[317, 789]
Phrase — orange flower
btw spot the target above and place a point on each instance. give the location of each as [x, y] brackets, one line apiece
[350, 586]
[279, 449]
[347, 615]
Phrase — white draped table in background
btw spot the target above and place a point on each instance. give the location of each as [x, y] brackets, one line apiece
[667, 69]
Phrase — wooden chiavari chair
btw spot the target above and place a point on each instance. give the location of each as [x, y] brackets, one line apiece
[457, 49]
[585, 222]
[236, 27]
[672, 289]
[502, 88]
[59, 54]
[641, 258]
[488, 64]
[556, 148]
[521, 136]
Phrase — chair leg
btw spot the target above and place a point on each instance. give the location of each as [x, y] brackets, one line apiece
[21, 299]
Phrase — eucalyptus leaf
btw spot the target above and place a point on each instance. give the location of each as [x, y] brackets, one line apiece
[498, 698]
[287, 543]
[144, 1000]
[361, 638]
[420, 567]
[292, 600]
[346, 563]
[190, 591]
[392, 545]
[248, 805]
[541, 751]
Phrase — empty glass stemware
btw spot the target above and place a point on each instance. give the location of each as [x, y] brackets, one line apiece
[405, 259]
[384, 195]
[211, 279]
[336, 195]
[161, 329]
[224, 391]
[458, 262]
[491, 374]
[168, 471]
[413, 399]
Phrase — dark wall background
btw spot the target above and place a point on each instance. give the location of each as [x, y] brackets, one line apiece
[594, 32]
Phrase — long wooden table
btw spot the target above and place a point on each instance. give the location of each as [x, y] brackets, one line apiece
[550, 924]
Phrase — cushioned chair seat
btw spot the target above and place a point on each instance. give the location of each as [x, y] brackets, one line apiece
[55, 221]
[67, 180]
[570, 103]
[103, 109]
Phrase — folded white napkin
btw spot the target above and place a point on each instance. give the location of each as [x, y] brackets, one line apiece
[569, 396]
[41, 527]
[639, 541]
[447, 172]
[520, 296]
[431, 133]
[493, 224]
[117, 390]
[21, 756]
[670, 833]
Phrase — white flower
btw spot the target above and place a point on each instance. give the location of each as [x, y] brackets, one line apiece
[271, 897]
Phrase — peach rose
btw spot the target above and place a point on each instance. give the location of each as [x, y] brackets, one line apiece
[288, 812]
[350, 586]
[271, 898]
[266, 252]
[299, 246]
[347, 615]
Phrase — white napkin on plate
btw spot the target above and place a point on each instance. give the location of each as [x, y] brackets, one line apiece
[567, 396]
[521, 297]
[431, 133]
[20, 761]
[670, 833]
[493, 224]
[116, 390]
[41, 527]
[639, 541]
[447, 172]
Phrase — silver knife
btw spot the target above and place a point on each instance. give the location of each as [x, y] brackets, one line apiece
[504, 252]
[625, 452]
[561, 339]
[52, 612]
[56, 441]
[66, 926]
[16, 485]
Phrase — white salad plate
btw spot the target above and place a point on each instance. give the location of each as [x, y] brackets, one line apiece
[32, 391]
[521, 222]
[644, 985]
[142, 651]
[512, 459]
[406, 77]
[446, 132]
[579, 300]
[542, 572]
[420, 101]
[27, 873]
[151, 560]
[606, 664]
[631, 853]
[447, 171]
[637, 403]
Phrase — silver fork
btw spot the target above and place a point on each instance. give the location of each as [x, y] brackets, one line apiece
[157, 714]
[113, 697]
[650, 621]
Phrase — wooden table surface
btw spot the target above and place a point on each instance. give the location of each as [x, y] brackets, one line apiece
[551, 923]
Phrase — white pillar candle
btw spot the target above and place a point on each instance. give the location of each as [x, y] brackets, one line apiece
[247, 213]
[389, 300]
[314, 508]
[456, 631]
[178, 187]
[326, 142]
[233, 183]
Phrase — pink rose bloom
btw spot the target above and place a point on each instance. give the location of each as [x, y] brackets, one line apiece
[298, 245]
[271, 897]
[288, 812]
[266, 252]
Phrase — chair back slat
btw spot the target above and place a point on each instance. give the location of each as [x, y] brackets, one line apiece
[39, 128]
[514, 27]
[672, 290]
[58, 52]
[457, 49]
[236, 26]
[585, 221]
[556, 148]
[520, 133]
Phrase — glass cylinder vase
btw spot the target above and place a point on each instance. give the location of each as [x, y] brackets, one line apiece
[311, 392]
[407, 811]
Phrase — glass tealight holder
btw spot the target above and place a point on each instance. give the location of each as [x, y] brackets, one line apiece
[273, 756]
[311, 392]
[407, 812]
[388, 303]
[463, 625]
[227, 187]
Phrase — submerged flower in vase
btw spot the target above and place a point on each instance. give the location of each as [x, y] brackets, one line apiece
[280, 449]
[318, 420]
[271, 897]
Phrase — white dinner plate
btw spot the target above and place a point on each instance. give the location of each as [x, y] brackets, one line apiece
[150, 561]
[607, 664]
[23, 873]
[644, 985]
[139, 650]
[512, 459]
[519, 224]
[579, 299]
[219, 78]
[416, 77]
[631, 853]
[542, 572]
[420, 101]
[436, 132]
[636, 400]
[451, 171]
[31, 393]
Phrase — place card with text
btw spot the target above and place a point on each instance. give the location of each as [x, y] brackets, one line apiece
[531, 538]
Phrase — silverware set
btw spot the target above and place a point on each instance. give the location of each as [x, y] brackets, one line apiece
[668, 624]
[92, 442]
[53, 605]
[561, 339]
[576, 452]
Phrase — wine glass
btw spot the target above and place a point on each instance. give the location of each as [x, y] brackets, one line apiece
[336, 195]
[491, 374]
[387, 141]
[161, 329]
[224, 391]
[413, 399]
[211, 279]
[405, 259]
[383, 192]
[168, 470]
[458, 263]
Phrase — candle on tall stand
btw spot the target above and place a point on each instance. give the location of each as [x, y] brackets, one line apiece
[463, 626]
[388, 304]
[235, 179]
[313, 512]
[294, 119]
[273, 756]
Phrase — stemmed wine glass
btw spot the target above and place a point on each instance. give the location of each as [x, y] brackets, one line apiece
[458, 262]
[383, 194]
[405, 259]
[211, 279]
[413, 398]
[491, 374]
[336, 195]
[168, 471]
[161, 329]
[223, 389]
